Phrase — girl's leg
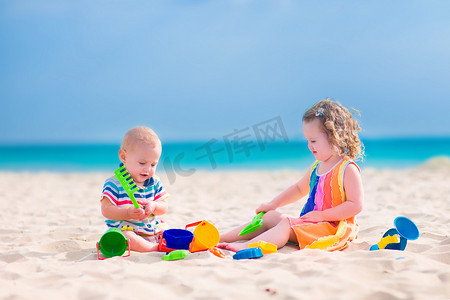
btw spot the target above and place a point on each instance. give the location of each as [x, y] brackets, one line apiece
[278, 235]
[138, 243]
[270, 219]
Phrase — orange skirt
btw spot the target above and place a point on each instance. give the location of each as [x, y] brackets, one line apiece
[329, 236]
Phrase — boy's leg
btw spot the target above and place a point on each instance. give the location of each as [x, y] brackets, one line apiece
[270, 219]
[138, 243]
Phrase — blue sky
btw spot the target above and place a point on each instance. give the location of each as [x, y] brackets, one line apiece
[86, 71]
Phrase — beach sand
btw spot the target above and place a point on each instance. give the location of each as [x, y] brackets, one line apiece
[52, 221]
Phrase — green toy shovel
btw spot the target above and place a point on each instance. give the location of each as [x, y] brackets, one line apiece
[255, 224]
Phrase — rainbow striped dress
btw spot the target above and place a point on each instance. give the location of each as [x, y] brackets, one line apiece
[326, 191]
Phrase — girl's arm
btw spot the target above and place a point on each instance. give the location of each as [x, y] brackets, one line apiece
[355, 197]
[290, 195]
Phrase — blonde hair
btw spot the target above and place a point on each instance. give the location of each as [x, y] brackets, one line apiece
[140, 134]
[339, 125]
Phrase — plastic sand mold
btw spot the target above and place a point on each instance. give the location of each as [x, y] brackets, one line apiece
[176, 255]
[265, 247]
[248, 253]
[217, 252]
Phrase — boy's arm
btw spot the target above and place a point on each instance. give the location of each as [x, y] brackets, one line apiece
[158, 207]
[290, 195]
[112, 212]
[352, 206]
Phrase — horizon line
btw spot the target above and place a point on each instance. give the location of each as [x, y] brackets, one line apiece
[200, 140]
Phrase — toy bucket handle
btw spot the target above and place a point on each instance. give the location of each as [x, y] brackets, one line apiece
[192, 224]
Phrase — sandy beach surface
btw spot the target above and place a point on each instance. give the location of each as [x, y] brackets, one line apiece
[52, 221]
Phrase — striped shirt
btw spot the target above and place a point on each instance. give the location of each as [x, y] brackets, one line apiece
[153, 191]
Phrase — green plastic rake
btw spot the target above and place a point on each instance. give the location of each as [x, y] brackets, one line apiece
[127, 183]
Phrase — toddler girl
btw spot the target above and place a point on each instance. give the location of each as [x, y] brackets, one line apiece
[327, 220]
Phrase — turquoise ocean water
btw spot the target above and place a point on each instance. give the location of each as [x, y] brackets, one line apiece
[186, 157]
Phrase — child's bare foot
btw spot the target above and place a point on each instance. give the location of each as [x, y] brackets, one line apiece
[235, 247]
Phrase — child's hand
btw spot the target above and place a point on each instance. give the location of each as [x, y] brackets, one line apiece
[313, 216]
[265, 207]
[135, 213]
[149, 208]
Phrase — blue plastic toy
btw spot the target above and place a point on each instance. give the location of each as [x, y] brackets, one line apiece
[248, 253]
[396, 238]
[178, 238]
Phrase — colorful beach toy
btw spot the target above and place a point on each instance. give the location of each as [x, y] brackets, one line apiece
[177, 239]
[255, 224]
[248, 253]
[206, 236]
[176, 255]
[112, 243]
[396, 238]
[217, 252]
[265, 247]
[127, 183]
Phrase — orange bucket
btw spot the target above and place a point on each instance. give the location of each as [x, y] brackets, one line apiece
[206, 236]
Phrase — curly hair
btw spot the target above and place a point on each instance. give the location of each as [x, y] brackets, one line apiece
[339, 125]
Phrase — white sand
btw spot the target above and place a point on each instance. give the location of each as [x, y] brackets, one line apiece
[50, 223]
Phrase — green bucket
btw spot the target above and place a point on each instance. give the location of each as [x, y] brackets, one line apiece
[113, 243]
